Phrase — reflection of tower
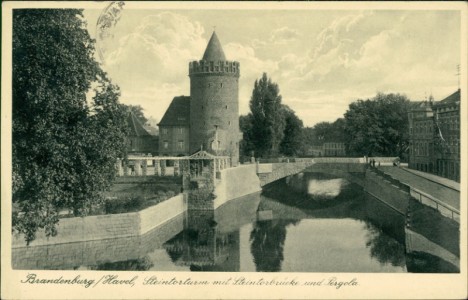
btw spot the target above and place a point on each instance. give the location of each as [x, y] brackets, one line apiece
[203, 247]
[214, 104]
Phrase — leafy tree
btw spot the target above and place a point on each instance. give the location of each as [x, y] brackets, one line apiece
[378, 126]
[247, 147]
[137, 110]
[65, 146]
[293, 139]
[267, 119]
[329, 132]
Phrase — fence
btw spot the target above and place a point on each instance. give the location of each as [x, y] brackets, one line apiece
[443, 208]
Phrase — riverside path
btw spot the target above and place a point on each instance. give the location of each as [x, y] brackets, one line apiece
[440, 188]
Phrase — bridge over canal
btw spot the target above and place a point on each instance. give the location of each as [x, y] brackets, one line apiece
[350, 168]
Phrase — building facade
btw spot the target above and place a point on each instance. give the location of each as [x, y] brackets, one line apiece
[435, 137]
[447, 145]
[139, 141]
[334, 149]
[174, 128]
[209, 118]
[421, 130]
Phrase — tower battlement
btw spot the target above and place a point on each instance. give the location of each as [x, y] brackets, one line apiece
[204, 67]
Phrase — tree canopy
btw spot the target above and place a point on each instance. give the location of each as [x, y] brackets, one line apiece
[65, 143]
[267, 117]
[378, 126]
[292, 143]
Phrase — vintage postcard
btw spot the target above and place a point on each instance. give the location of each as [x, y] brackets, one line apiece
[234, 150]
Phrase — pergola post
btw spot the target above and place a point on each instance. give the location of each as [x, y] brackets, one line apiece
[176, 168]
[125, 167]
[157, 167]
[119, 168]
[144, 169]
[163, 167]
[137, 167]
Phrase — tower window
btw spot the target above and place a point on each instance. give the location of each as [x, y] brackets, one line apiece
[221, 84]
[229, 123]
[226, 106]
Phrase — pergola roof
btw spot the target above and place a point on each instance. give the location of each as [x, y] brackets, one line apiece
[202, 154]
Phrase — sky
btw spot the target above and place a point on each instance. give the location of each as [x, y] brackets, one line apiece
[322, 60]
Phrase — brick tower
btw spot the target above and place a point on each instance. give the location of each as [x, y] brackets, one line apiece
[214, 104]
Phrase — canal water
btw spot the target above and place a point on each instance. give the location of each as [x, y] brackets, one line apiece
[304, 223]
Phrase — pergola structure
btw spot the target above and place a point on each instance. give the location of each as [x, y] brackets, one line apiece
[201, 164]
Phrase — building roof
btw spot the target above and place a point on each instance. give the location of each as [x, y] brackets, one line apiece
[214, 51]
[450, 100]
[420, 105]
[178, 113]
[136, 129]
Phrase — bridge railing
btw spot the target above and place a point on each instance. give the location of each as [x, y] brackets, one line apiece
[351, 160]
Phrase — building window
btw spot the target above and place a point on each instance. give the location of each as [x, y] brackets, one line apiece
[226, 106]
[180, 145]
[221, 84]
[181, 130]
[166, 145]
[164, 131]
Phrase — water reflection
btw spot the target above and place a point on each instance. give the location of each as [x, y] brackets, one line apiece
[326, 188]
[203, 247]
[306, 223]
[385, 249]
[267, 243]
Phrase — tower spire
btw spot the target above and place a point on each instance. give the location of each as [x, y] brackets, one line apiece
[214, 51]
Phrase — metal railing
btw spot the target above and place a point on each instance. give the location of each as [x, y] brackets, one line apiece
[444, 208]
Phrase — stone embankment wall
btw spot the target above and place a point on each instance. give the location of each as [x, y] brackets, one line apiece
[109, 226]
[235, 183]
[67, 256]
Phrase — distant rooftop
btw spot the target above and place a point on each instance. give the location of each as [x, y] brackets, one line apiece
[452, 99]
[136, 129]
[178, 113]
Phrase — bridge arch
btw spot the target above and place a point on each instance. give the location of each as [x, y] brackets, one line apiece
[351, 169]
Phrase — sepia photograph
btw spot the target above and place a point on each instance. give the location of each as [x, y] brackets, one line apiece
[227, 150]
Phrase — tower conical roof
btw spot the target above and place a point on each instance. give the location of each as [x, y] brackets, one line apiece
[214, 51]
